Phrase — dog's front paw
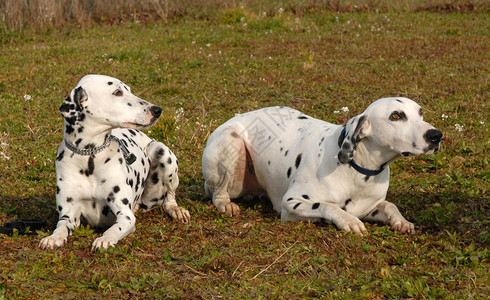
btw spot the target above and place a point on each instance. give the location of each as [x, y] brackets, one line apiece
[350, 223]
[180, 214]
[230, 209]
[402, 225]
[52, 242]
[104, 243]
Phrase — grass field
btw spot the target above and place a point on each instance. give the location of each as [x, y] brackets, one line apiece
[202, 72]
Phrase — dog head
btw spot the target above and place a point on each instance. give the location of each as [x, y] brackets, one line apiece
[395, 125]
[107, 100]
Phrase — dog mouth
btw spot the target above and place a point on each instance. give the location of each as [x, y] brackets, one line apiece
[137, 125]
[433, 148]
[429, 150]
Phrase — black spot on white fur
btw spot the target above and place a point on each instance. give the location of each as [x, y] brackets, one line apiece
[346, 203]
[60, 156]
[298, 160]
[154, 178]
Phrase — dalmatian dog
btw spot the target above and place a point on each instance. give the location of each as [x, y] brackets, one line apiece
[106, 169]
[314, 170]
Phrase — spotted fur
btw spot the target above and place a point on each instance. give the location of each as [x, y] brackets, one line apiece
[306, 166]
[104, 189]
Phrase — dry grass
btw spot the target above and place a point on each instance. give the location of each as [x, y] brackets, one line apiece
[42, 15]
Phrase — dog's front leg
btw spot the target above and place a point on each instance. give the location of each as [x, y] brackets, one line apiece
[303, 208]
[387, 213]
[69, 219]
[125, 224]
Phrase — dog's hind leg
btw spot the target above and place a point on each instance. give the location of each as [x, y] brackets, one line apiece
[162, 182]
[224, 166]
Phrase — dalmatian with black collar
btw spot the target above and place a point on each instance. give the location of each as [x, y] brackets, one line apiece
[106, 169]
[314, 170]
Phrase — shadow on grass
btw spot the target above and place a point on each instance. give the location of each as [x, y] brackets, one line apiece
[456, 212]
[36, 207]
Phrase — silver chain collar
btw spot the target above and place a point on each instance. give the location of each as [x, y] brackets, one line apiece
[89, 151]
[128, 156]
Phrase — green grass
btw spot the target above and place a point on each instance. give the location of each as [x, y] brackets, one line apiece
[202, 72]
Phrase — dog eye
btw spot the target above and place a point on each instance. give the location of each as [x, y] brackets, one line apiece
[395, 116]
[421, 113]
[118, 93]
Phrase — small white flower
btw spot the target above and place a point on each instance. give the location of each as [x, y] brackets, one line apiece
[281, 10]
[344, 109]
[110, 59]
[27, 97]
[270, 57]
[208, 45]
[482, 123]
[242, 19]
[336, 112]
[458, 127]
[245, 25]
[444, 116]
[4, 156]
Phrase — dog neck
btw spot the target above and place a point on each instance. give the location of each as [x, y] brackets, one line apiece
[86, 136]
[90, 142]
[371, 157]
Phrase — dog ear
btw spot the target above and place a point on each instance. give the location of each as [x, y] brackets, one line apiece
[355, 130]
[72, 108]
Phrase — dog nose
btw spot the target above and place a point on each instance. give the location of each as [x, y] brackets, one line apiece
[156, 111]
[433, 136]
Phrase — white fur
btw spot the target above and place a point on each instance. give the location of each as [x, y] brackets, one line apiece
[297, 161]
[103, 189]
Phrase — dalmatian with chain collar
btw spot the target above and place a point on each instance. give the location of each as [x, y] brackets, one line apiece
[106, 169]
[314, 170]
